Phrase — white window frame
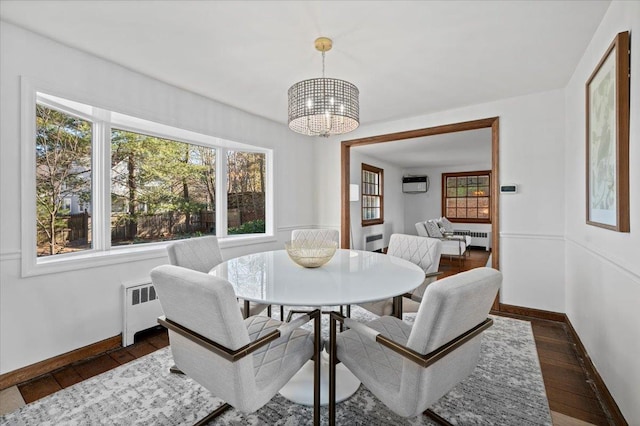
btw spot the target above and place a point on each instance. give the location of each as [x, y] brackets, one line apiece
[101, 252]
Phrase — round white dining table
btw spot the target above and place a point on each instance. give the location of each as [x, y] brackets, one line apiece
[350, 277]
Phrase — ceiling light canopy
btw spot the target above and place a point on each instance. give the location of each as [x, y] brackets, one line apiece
[323, 106]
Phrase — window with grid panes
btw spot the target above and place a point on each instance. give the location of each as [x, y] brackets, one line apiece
[160, 188]
[466, 196]
[372, 195]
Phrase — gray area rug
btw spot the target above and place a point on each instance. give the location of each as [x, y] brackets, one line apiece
[506, 388]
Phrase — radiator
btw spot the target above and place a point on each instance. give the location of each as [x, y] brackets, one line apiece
[480, 239]
[141, 309]
[374, 242]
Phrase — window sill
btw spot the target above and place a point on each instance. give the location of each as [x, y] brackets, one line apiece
[372, 222]
[125, 254]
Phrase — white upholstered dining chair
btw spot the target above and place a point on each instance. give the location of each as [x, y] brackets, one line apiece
[243, 362]
[407, 367]
[315, 235]
[424, 252]
[201, 254]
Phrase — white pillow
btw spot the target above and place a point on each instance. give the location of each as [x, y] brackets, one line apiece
[446, 224]
[432, 229]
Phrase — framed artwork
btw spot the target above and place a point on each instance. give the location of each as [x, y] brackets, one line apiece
[607, 131]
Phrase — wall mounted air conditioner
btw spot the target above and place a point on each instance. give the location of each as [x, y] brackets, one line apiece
[415, 184]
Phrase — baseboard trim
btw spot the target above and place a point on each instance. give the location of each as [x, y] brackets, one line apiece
[530, 312]
[48, 365]
[609, 404]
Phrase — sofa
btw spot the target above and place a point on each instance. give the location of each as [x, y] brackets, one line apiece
[442, 229]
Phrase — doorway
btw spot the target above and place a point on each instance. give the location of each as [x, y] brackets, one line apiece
[345, 167]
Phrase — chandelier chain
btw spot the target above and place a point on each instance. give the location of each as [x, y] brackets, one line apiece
[323, 64]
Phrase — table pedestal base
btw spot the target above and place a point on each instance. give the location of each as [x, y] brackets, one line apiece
[300, 388]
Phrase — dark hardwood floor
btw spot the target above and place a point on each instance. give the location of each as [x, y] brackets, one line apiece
[146, 342]
[571, 396]
[569, 389]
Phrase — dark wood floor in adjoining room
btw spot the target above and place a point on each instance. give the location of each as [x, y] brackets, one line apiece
[572, 400]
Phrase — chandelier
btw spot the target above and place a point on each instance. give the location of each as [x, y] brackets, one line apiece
[323, 106]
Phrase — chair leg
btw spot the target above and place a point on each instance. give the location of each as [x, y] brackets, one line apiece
[175, 370]
[316, 369]
[436, 418]
[293, 311]
[269, 311]
[281, 313]
[333, 359]
[215, 413]
[246, 309]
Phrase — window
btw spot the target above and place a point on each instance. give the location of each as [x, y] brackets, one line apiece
[63, 182]
[466, 197]
[104, 180]
[372, 195]
[160, 188]
[245, 192]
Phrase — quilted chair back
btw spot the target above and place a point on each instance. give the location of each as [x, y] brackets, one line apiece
[450, 307]
[315, 235]
[200, 254]
[424, 252]
[206, 305]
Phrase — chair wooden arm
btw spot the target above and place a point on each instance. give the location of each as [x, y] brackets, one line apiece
[223, 351]
[435, 355]
[431, 357]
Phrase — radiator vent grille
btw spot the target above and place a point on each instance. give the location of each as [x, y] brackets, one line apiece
[478, 238]
[143, 295]
[141, 309]
[374, 242]
[371, 238]
[472, 234]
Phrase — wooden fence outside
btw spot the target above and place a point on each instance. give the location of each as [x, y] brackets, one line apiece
[242, 208]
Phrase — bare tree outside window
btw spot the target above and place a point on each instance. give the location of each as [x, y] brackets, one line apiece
[246, 192]
[63, 182]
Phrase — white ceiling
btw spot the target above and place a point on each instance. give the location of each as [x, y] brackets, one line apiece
[407, 58]
[469, 148]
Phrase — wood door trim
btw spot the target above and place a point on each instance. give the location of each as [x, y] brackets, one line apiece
[345, 167]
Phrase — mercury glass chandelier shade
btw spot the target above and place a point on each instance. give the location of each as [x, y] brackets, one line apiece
[323, 106]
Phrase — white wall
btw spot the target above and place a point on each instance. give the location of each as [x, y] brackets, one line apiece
[428, 205]
[531, 222]
[602, 266]
[393, 200]
[47, 315]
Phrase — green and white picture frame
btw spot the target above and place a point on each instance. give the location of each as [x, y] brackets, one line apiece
[607, 130]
